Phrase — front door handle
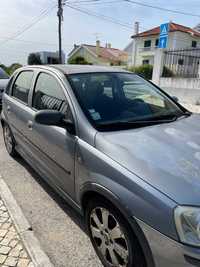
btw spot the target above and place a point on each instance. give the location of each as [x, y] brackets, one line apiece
[30, 125]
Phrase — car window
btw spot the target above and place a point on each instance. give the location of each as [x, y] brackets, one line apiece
[48, 94]
[3, 74]
[22, 86]
[8, 87]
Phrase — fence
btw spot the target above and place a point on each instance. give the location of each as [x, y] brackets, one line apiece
[182, 63]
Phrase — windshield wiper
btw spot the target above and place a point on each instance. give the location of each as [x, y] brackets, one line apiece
[136, 123]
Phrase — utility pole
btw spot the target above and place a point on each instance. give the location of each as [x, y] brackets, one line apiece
[60, 18]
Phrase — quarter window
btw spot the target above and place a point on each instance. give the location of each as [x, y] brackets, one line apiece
[22, 86]
[48, 94]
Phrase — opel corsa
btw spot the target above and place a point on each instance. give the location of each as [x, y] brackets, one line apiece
[120, 150]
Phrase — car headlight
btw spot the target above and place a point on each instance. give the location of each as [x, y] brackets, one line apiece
[187, 221]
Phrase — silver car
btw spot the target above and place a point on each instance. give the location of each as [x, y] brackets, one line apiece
[4, 78]
[120, 150]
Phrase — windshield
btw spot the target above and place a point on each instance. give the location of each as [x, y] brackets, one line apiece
[3, 74]
[121, 99]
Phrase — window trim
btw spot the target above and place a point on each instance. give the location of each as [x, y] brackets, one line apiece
[35, 83]
[13, 83]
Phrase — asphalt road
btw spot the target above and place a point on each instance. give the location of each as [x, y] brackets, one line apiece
[58, 227]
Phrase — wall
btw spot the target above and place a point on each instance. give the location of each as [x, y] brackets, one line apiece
[186, 89]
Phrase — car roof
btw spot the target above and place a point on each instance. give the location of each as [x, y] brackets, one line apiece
[76, 69]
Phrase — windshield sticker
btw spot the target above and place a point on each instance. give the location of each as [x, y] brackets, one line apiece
[95, 115]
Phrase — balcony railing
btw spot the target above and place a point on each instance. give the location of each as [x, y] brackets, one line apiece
[148, 49]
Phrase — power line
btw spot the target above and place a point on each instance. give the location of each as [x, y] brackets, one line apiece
[101, 16]
[27, 27]
[162, 8]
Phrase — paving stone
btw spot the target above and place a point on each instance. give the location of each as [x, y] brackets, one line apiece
[15, 252]
[11, 262]
[3, 208]
[6, 225]
[2, 258]
[23, 263]
[4, 250]
[13, 243]
[23, 254]
[3, 232]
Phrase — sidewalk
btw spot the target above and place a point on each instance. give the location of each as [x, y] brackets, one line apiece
[18, 245]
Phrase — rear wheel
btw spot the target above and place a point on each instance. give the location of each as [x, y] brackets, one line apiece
[112, 237]
[9, 140]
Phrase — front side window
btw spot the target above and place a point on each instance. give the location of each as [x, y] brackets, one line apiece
[48, 94]
[22, 86]
[131, 100]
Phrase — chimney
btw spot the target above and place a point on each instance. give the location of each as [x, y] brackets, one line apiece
[136, 27]
[98, 47]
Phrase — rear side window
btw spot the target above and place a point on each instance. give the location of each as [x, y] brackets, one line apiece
[22, 86]
[48, 94]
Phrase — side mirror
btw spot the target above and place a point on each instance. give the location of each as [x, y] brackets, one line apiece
[175, 98]
[54, 118]
[49, 117]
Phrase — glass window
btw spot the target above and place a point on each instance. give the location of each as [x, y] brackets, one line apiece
[22, 86]
[156, 42]
[194, 44]
[147, 43]
[48, 94]
[133, 99]
[145, 62]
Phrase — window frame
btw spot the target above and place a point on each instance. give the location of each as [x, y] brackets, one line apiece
[150, 42]
[14, 79]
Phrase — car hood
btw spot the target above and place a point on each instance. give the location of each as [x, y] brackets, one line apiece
[167, 156]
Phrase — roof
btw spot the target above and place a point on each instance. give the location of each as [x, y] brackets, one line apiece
[75, 69]
[173, 28]
[106, 53]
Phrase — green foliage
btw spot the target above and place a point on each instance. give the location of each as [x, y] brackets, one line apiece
[79, 61]
[10, 69]
[34, 59]
[167, 72]
[145, 70]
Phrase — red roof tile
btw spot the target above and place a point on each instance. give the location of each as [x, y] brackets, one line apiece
[173, 28]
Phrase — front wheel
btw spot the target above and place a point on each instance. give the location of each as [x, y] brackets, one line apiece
[111, 236]
[9, 140]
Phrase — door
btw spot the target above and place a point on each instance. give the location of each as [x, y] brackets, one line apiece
[16, 105]
[53, 146]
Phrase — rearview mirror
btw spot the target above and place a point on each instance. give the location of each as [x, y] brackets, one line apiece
[49, 117]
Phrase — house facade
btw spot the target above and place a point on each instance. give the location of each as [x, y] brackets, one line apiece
[99, 55]
[144, 44]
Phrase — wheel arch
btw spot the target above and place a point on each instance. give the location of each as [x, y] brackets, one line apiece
[92, 190]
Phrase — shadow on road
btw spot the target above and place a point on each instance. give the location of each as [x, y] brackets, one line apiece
[72, 213]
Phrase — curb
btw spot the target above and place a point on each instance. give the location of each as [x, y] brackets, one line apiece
[32, 245]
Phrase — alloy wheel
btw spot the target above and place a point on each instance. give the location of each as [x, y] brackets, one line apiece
[109, 237]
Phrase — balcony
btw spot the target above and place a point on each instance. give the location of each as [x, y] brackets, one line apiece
[148, 49]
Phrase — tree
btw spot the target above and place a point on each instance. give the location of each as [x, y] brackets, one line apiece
[34, 59]
[79, 60]
[13, 67]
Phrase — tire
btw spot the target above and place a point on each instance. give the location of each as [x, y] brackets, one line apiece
[111, 236]
[9, 140]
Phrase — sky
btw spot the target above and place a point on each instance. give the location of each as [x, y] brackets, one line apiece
[26, 28]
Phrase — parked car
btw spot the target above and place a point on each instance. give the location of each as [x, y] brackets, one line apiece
[4, 78]
[120, 150]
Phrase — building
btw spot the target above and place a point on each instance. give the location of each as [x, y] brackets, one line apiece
[99, 55]
[50, 57]
[144, 44]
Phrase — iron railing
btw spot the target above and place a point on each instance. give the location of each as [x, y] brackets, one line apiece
[183, 63]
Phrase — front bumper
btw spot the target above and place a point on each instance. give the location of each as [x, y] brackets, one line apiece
[167, 252]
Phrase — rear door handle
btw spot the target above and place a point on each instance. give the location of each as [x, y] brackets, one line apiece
[30, 125]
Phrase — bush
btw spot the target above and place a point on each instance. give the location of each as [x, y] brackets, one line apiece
[79, 60]
[144, 70]
[167, 72]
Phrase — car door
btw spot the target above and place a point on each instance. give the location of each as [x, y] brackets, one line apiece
[16, 105]
[53, 146]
